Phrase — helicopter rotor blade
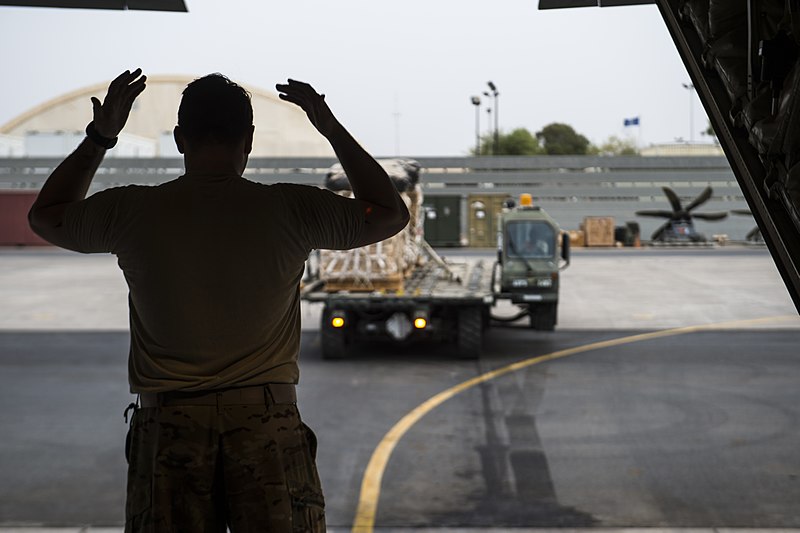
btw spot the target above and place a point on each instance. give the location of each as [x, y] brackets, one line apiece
[711, 216]
[659, 233]
[674, 201]
[655, 213]
[701, 199]
[753, 234]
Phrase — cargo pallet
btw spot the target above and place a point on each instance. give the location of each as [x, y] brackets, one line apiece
[453, 300]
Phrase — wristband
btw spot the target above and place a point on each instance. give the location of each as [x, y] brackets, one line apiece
[98, 139]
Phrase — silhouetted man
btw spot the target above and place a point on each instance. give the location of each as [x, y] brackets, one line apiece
[213, 263]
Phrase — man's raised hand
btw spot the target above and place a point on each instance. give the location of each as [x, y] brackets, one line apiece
[303, 95]
[111, 115]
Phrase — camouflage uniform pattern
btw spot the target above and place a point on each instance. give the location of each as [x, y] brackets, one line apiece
[204, 468]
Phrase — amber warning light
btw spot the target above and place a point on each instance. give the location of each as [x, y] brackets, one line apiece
[525, 200]
[337, 322]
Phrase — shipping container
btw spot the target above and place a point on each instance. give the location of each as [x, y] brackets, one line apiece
[14, 227]
[483, 210]
[443, 220]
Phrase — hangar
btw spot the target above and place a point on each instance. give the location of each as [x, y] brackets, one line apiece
[55, 127]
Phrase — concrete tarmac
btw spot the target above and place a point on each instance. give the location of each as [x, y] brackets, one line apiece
[681, 431]
[645, 288]
[690, 431]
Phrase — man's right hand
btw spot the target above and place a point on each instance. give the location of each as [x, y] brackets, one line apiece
[111, 115]
[69, 182]
[303, 95]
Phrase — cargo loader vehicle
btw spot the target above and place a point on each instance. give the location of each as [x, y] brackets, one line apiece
[434, 299]
[528, 263]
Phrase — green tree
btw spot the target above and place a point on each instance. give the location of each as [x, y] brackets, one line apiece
[615, 146]
[518, 142]
[561, 139]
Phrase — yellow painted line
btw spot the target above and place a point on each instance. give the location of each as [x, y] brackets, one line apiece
[364, 521]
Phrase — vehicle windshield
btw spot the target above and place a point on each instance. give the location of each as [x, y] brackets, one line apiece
[531, 239]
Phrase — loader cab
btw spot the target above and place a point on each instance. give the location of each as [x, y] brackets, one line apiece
[530, 239]
[531, 248]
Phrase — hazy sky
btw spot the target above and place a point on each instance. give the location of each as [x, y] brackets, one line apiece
[398, 74]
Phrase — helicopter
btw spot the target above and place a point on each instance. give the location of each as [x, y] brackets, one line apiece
[680, 226]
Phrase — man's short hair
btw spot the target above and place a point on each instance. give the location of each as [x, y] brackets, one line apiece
[215, 110]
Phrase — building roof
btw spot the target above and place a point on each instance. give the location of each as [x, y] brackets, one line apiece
[282, 129]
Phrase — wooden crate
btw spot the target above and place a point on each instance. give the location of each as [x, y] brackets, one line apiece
[598, 231]
[576, 237]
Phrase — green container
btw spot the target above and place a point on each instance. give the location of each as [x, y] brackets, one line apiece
[442, 220]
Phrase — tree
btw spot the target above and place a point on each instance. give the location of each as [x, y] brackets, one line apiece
[615, 146]
[561, 139]
[518, 142]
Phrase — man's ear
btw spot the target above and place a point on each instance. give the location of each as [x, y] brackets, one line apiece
[248, 140]
[177, 134]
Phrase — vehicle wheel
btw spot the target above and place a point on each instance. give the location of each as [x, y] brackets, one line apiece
[470, 332]
[543, 317]
[486, 318]
[333, 340]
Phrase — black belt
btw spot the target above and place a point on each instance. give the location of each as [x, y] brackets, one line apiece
[271, 393]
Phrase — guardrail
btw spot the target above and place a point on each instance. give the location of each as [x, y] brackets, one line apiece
[568, 187]
[627, 178]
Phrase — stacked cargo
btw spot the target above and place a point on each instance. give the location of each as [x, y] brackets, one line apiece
[385, 265]
[598, 231]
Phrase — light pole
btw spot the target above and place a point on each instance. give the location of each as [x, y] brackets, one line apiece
[489, 133]
[689, 87]
[490, 149]
[495, 93]
[476, 101]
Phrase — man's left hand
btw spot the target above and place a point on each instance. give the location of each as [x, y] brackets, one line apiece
[111, 115]
[303, 95]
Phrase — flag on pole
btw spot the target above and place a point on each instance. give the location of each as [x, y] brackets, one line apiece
[632, 121]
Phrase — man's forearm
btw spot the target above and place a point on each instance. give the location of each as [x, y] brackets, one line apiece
[385, 212]
[368, 179]
[68, 183]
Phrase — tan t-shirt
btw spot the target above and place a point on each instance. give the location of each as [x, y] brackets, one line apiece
[213, 264]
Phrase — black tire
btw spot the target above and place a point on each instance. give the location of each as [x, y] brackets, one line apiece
[333, 341]
[544, 317]
[486, 318]
[470, 332]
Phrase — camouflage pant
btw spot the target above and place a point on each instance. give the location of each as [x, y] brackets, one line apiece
[199, 469]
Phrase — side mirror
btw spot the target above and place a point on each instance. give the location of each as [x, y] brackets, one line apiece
[500, 246]
[565, 248]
